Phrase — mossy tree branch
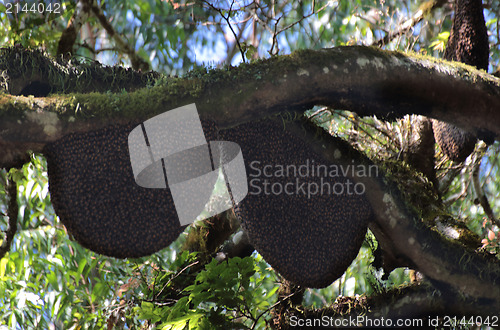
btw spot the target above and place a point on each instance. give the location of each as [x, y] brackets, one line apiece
[366, 80]
[422, 305]
[405, 238]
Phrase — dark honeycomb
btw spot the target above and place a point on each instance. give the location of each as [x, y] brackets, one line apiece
[94, 193]
[468, 43]
[310, 241]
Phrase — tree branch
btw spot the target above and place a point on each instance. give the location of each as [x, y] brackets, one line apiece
[68, 37]
[366, 80]
[422, 305]
[402, 234]
[481, 196]
[138, 63]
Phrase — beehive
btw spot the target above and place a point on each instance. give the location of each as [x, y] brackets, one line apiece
[468, 43]
[309, 240]
[93, 191]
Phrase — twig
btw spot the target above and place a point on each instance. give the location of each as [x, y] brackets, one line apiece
[68, 37]
[12, 212]
[481, 196]
[173, 277]
[274, 305]
[229, 24]
[232, 49]
[365, 131]
[303, 18]
[422, 11]
[297, 22]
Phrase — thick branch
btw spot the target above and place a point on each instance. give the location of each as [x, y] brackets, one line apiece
[362, 79]
[416, 306]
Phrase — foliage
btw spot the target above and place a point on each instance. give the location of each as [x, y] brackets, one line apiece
[47, 278]
[223, 293]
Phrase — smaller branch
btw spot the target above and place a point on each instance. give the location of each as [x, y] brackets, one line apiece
[253, 13]
[303, 18]
[276, 32]
[360, 128]
[68, 37]
[420, 303]
[273, 306]
[256, 17]
[229, 24]
[138, 63]
[232, 49]
[12, 212]
[275, 39]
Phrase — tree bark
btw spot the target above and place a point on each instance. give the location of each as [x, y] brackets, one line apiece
[415, 306]
[366, 80]
[401, 233]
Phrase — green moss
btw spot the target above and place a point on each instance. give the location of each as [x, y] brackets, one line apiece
[459, 69]
[76, 75]
[210, 88]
